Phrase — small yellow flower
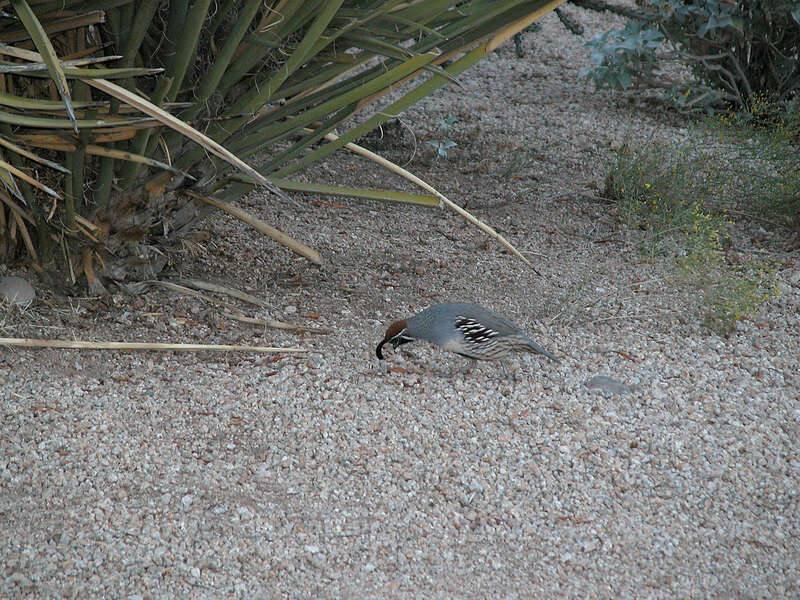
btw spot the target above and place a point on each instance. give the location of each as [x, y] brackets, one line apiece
[647, 185]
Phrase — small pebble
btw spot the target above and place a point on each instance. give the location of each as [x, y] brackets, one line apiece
[607, 384]
[17, 290]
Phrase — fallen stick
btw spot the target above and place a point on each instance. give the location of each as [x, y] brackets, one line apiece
[78, 344]
[429, 188]
[276, 324]
[221, 289]
[237, 315]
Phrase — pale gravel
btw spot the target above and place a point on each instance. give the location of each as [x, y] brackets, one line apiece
[126, 475]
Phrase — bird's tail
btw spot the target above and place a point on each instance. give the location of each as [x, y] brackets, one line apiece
[539, 350]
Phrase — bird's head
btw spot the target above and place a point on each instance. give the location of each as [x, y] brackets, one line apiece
[396, 335]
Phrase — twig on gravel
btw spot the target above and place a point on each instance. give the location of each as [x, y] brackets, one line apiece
[221, 289]
[276, 324]
[236, 314]
[256, 223]
[83, 345]
[182, 289]
[624, 355]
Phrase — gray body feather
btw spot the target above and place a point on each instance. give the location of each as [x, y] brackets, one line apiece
[471, 330]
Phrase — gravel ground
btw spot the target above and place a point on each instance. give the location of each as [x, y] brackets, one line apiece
[329, 475]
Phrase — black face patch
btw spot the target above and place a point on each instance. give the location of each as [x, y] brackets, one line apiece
[400, 339]
[397, 340]
[473, 331]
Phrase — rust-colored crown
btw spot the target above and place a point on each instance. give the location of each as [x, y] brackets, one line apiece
[394, 329]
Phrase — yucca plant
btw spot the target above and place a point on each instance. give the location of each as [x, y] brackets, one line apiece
[103, 103]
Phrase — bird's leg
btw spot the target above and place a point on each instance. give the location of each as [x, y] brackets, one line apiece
[505, 371]
[470, 365]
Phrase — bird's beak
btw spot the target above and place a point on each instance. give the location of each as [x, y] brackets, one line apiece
[394, 341]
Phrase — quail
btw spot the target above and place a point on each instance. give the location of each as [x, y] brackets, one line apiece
[466, 329]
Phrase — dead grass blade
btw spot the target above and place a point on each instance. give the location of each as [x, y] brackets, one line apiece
[236, 315]
[34, 157]
[447, 202]
[510, 30]
[10, 183]
[181, 289]
[350, 192]
[84, 345]
[23, 175]
[276, 324]
[265, 228]
[86, 223]
[147, 107]
[16, 208]
[96, 150]
[65, 23]
[48, 54]
[26, 237]
[221, 289]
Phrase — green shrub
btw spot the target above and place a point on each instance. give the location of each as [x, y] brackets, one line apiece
[663, 191]
[765, 140]
[676, 198]
[739, 295]
[734, 50]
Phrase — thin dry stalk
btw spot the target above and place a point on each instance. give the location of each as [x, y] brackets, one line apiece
[187, 291]
[83, 345]
[265, 228]
[221, 289]
[237, 315]
[276, 324]
[26, 236]
[444, 200]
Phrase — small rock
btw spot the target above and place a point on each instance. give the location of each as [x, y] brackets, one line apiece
[658, 393]
[19, 579]
[290, 310]
[407, 485]
[187, 500]
[607, 384]
[17, 291]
